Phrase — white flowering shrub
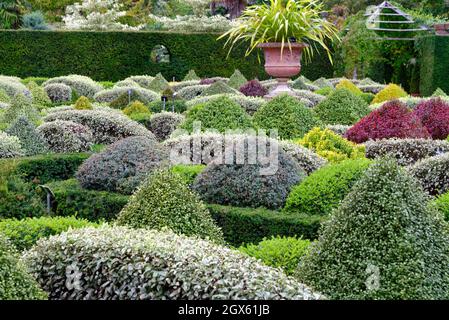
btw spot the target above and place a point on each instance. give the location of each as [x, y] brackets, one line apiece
[148, 264]
[107, 125]
[126, 83]
[339, 129]
[164, 123]
[110, 95]
[191, 23]
[82, 85]
[12, 86]
[307, 159]
[58, 92]
[250, 104]
[10, 146]
[179, 85]
[96, 15]
[191, 92]
[310, 96]
[433, 173]
[405, 151]
[66, 136]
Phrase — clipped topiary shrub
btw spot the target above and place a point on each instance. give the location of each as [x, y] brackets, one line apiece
[237, 79]
[122, 166]
[331, 146]
[158, 84]
[348, 85]
[132, 93]
[24, 233]
[136, 107]
[405, 151]
[16, 283]
[58, 92]
[187, 173]
[302, 83]
[12, 86]
[383, 242]
[433, 173]
[314, 98]
[323, 190]
[143, 80]
[219, 114]
[219, 87]
[83, 103]
[10, 146]
[30, 139]
[163, 200]
[82, 85]
[107, 125]
[439, 93]
[20, 107]
[390, 92]
[178, 106]
[392, 120]
[191, 76]
[163, 124]
[248, 183]
[287, 115]
[338, 129]
[323, 83]
[40, 97]
[177, 259]
[66, 136]
[191, 92]
[342, 107]
[278, 252]
[253, 88]
[434, 115]
[250, 104]
[325, 91]
[307, 159]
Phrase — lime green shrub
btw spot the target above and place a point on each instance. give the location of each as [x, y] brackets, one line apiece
[331, 146]
[136, 107]
[279, 252]
[188, 173]
[83, 103]
[390, 92]
[40, 97]
[323, 190]
[348, 85]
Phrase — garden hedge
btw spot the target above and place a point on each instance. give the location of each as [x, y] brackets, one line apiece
[114, 56]
[434, 54]
[247, 225]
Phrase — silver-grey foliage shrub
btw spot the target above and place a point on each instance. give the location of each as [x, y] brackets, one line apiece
[164, 123]
[109, 95]
[191, 92]
[82, 85]
[307, 159]
[66, 136]
[433, 173]
[10, 146]
[128, 264]
[58, 92]
[31, 140]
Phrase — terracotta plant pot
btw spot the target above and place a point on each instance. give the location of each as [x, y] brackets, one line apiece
[282, 64]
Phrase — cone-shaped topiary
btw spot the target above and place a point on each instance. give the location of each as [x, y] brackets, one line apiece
[40, 97]
[158, 84]
[135, 108]
[286, 114]
[164, 200]
[342, 107]
[31, 141]
[218, 87]
[348, 85]
[20, 106]
[125, 98]
[384, 242]
[392, 120]
[237, 80]
[434, 115]
[439, 93]
[191, 76]
[83, 103]
[220, 114]
[15, 282]
[253, 88]
[390, 92]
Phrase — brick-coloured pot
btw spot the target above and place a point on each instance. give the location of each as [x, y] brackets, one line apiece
[282, 64]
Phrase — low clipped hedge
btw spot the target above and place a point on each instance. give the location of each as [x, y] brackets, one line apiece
[246, 225]
[71, 200]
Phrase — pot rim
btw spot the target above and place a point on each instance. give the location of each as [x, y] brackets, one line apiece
[286, 45]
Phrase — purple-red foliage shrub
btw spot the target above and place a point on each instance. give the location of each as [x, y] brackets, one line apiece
[253, 88]
[392, 120]
[434, 115]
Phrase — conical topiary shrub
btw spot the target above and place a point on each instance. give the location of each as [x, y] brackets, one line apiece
[439, 93]
[164, 200]
[83, 103]
[237, 80]
[219, 87]
[159, 84]
[31, 141]
[383, 242]
[191, 76]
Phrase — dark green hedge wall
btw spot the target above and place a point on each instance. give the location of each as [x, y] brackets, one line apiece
[113, 56]
[434, 59]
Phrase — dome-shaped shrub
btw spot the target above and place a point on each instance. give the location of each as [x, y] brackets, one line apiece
[237, 79]
[324, 189]
[405, 151]
[253, 88]
[392, 120]
[301, 83]
[213, 80]
[190, 76]
[308, 160]
[10, 146]
[348, 85]
[4, 97]
[342, 107]
[122, 165]
[40, 97]
[20, 107]
[314, 98]
[107, 125]
[383, 242]
[164, 123]
[160, 265]
[82, 85]
[83, 103]
[219, 114]
[164, 200]
[191, 92]
[390, 92]
[250, 104]
[331, 146]
[142, 80]
[15, 282]
[66, 136]
[136, 93]
[433, 173]
[30, 139]
[12, 86]
[287, 115]
[136, 107]
[58, 92]
[247, 184]
[434, 115]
